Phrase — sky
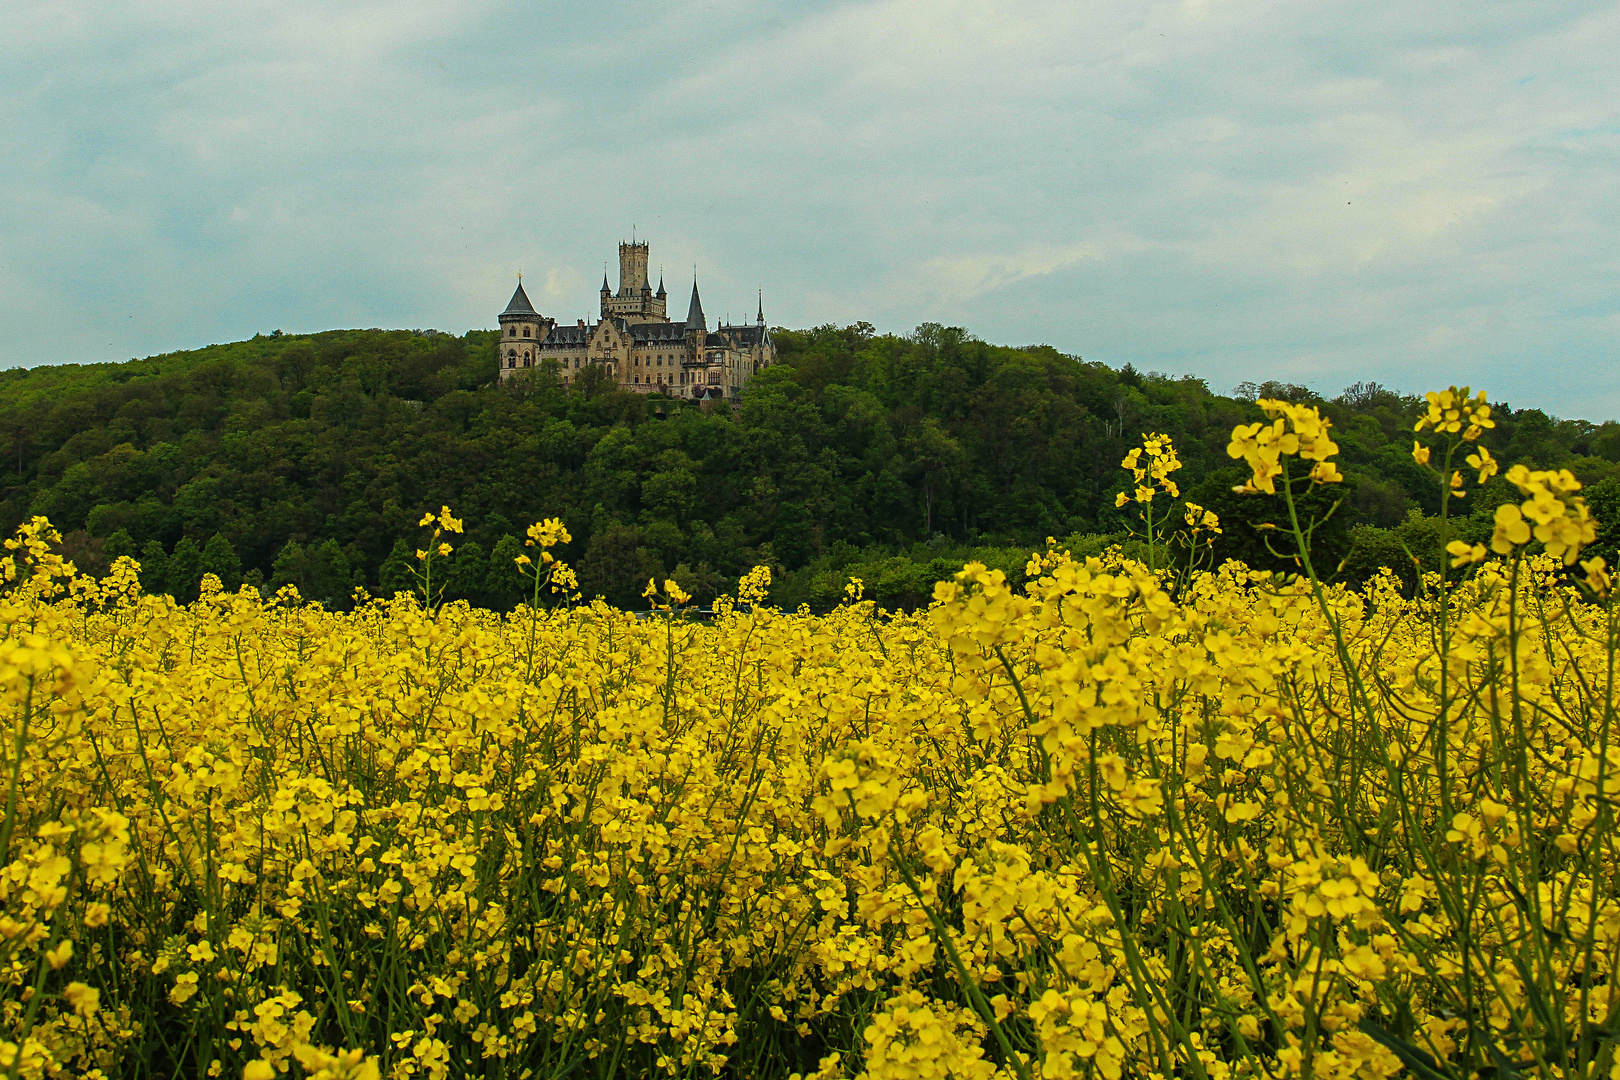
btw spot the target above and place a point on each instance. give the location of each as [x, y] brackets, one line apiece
[1322, 193]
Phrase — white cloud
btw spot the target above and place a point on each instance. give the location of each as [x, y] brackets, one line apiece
[958, 278]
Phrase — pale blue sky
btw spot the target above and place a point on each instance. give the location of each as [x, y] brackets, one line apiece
[1322, 192]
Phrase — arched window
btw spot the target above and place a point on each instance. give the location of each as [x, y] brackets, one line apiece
[511, 331]
[511, 358]
[525, 331]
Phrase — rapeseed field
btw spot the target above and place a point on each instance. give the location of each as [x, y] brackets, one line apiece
[1153, 820]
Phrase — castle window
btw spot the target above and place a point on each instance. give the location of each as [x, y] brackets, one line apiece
[525, 331]
[511, 331]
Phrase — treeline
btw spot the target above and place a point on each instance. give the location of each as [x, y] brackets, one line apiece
[307, 460]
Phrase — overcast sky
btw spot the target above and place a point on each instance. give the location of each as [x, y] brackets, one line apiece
[1415, 193]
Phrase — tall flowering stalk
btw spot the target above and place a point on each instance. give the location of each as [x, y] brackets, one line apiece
[549, 574]
[436, 549]
[1150, 466]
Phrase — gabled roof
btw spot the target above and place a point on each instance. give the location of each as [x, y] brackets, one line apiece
[520, 303]
[645, 333]
[562, 336]
[743, 334]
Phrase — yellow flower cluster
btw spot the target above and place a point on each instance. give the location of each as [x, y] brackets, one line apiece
[1460, 420]
[1153, 476]
[1200, 520]
[1551, 513]
[1093, 826]
[558, 577]
[1294, 430]
[1453, 411]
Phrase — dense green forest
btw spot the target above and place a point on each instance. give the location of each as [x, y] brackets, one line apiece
[309, 459]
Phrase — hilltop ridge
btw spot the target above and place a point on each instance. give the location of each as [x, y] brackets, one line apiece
[309, 458]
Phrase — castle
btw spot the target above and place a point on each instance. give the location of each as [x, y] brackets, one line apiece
[636, 343]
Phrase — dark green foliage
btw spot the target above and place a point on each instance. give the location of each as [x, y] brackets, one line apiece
[1244, 517]
[185, 570]
[154, 567]
[503, 583]
[310, 459]
[120, 543]
[618, 564]
[467, 572]
[1416, 545]
[289, 569]
[219, 558]
[1603, 500]
[394, 576]
[320, 572]
[328, 575]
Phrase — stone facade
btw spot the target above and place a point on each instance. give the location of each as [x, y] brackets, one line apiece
[635, 341]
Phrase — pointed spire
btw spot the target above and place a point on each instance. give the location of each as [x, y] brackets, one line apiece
[520, 303]
[605, 289]
[694, 311]
[759, 320]
[661, 284]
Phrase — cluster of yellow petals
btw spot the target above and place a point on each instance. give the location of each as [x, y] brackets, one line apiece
[1293, 430]
[1551, 513]
[1200, 520]
[559, 578]
[1453, 411]
[442, 523]
[547, 533]
[673, 594]
[1152, 476]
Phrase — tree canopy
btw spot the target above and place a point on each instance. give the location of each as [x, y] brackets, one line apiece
[307, 459]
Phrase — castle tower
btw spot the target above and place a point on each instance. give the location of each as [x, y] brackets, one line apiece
[694, 311]
[522, 330]
[633, 270]
[659, 308]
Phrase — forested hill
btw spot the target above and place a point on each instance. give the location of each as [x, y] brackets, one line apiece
[309, 459]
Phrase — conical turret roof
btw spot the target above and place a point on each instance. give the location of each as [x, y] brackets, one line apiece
[694, 311]
[520, 303]
[661, 285]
